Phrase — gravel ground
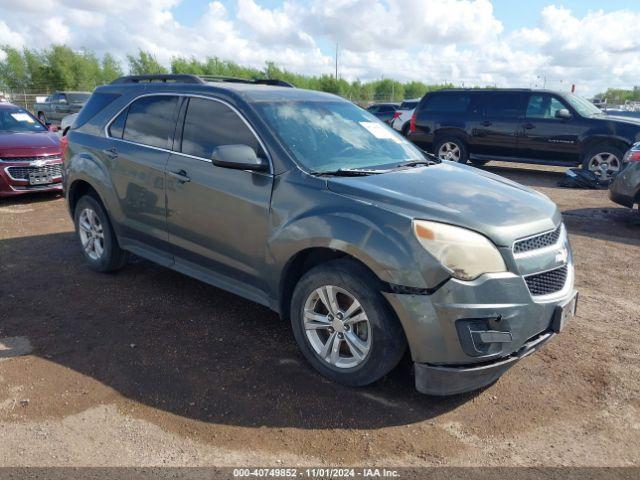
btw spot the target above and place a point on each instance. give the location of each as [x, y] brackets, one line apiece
[149, 367]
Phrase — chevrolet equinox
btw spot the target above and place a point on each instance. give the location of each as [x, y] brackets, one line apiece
[304, 202]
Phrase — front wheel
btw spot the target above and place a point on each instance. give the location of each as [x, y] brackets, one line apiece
[96, 236]
[343, 325]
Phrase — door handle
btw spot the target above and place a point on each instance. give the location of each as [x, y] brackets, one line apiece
[112, 153]
[487, 123]
[529, 126]
[180, 175]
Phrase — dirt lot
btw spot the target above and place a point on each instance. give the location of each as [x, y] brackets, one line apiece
[149, 367]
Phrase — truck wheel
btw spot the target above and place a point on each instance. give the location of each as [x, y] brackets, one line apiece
[343, 325]
[605, 161]
[451, 148]
[405, 129]
[98, 242]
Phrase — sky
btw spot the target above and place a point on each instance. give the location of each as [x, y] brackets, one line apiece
[506, 43]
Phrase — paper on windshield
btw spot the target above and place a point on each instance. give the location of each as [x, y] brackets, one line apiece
[22, 117]
[379, 131]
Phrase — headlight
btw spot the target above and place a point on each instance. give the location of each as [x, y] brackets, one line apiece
[466, 254]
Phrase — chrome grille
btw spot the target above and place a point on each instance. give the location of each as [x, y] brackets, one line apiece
[537, 242]
[22, 173]
[29, 159]
[547, 282]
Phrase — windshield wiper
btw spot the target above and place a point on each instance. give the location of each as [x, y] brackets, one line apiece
[350, 172]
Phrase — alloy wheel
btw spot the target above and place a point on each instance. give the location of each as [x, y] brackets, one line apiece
[604, 165]
[337, 327]
[91, 233]
[449, 151]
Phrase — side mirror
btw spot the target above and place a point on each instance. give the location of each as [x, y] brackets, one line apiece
[241, 157]
[53, 128]
[564, 114]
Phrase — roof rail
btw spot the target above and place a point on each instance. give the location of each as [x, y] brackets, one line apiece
[258, 81]
[184, 78]
[165, 78]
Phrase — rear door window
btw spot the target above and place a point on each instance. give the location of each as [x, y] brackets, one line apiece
[451, 102]
[503, 104]
[209, 124]
[151, 120]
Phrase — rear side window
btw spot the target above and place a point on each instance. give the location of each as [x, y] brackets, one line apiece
[95, 104]
[508, 105]
[151, 120]
[454, 102]
[209, 124]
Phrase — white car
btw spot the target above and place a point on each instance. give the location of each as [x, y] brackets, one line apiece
[66, 123]
[402, 116]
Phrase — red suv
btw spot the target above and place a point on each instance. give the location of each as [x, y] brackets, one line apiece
[30, 154]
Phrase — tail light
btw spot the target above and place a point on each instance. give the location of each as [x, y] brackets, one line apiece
[64, 142]
[412, 123]
[396, 115]
[633, 156]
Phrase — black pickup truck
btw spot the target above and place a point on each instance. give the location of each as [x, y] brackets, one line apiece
[522, 125]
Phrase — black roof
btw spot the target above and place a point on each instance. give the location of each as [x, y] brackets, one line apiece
[254, 90]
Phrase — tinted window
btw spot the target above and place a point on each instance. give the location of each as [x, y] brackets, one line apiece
[502, 104]
[454, 102]
[542, 105]
[96, 103]
[117, 126]
[208, 124]
[150, 120]
[387, 109]
[408, 105]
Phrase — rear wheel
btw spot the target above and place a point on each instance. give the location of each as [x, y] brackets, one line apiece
[343, 325]
[604, 161]
[452, 149]
[405, 129]
[97, 239]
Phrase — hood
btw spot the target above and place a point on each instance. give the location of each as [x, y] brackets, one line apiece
[621, 119]
[458, 195]
[19, 144]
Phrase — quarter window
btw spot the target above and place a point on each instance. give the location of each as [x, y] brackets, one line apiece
[209, 124]
[151, 120]
[448, 102]
[117, 126]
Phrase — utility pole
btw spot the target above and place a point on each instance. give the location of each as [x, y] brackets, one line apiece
[336, 61]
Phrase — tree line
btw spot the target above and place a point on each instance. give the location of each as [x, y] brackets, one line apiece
[61, 68]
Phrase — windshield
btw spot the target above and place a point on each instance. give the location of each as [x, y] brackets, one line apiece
[583, 106]
[19, 120]
[78, 97]
[328, 136]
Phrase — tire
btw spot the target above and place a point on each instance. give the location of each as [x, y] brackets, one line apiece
[104, 254]
[42, 117]
[380, 330]
[456, 147]
[605, 161]
[405, 129]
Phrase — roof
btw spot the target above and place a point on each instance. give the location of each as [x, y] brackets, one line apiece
[246, 89]
[523, 90]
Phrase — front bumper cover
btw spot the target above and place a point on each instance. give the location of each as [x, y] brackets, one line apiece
[452, 380]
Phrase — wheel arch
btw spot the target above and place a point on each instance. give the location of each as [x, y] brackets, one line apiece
[594, 141]
[305, 260]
